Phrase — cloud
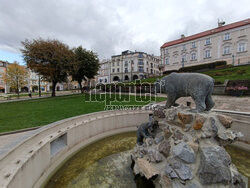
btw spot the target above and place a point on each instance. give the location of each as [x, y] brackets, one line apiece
[110, 26]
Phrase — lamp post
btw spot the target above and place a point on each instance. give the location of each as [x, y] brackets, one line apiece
[182, 62]
[39, 84]
[233, 59]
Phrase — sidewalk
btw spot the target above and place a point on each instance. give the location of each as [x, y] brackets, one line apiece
[62, 93]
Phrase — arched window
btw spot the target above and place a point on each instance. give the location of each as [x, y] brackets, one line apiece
[193, 56]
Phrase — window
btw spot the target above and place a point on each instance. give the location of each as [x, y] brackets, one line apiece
[184, 47]
[118, 70]
[118, 63]
[226, 50]
[140, 55]
[183, 58]
[166, 51]
[227, 36]
[208, 41]
[113, 64]
[242, 47]
[140, 61]
[166, 61]
[113, 70]
[193, 56]
[126, 69]
[126, 64]
[193, 45]
[147, 69]
[140, 69]
[207, 54]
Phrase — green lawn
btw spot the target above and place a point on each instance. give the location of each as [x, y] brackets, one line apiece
[37, 112]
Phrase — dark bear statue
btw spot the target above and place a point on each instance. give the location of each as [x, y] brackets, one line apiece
[146, 130]
[198, 86]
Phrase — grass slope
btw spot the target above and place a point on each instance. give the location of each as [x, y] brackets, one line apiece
[234, 73]
[32, 113]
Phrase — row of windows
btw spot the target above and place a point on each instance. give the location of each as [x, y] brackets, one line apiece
[105, 80]
[140, 62]
[207, 42]
[140, 69]
[207, 54]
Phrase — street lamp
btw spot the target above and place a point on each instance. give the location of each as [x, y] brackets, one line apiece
[233, 59]
[182, 62]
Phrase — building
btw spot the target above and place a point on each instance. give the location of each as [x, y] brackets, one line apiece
[104, 72]
[33, 82]
[226, 42]
[3, 86]
[133, 65]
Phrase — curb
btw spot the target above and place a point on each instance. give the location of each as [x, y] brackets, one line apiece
[20, 131]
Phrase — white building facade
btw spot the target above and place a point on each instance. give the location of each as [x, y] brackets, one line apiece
[133, 65]
[104, 72]
[226, 42]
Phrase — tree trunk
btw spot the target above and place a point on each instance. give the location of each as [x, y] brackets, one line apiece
[17, 90]
[80, 85]
[53, 89]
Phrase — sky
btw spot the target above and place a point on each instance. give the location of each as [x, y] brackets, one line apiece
[109, 27]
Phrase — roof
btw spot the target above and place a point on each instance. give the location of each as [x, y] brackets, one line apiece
[207, 33]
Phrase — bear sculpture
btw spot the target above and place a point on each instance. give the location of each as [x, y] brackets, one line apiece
[196, 85]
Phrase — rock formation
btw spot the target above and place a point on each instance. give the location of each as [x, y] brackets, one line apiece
[188, 151]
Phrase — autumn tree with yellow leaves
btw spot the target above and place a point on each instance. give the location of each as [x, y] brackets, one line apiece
[15, 76]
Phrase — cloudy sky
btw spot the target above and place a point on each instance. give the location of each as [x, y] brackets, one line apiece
[110, 26]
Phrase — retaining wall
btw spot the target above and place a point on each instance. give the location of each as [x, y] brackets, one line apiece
[31, 162]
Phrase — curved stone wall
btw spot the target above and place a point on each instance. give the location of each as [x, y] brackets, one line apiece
[31, 162]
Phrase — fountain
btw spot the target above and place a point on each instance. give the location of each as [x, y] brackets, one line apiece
[107, 162]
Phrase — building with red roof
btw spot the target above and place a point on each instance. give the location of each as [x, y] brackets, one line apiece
[226, 42]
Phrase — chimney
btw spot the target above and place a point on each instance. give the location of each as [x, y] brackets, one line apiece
[221, 23]
[182, 36]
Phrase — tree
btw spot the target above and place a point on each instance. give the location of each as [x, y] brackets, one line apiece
[49, 58]
[85, 65]
[16, 77]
